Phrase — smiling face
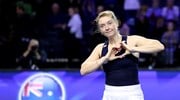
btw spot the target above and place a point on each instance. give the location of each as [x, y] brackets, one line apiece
[107, 23]
[107, 26]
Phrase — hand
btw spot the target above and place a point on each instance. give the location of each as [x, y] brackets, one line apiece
[124, 54]
[111, 54]
[32, 43]
[125, 46]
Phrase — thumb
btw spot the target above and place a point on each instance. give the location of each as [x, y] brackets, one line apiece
[113, 58]
[124, 54]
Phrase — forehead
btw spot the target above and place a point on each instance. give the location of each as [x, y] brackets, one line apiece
[104, 19]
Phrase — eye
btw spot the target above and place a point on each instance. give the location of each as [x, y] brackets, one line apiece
[109, 22]
[101, 26]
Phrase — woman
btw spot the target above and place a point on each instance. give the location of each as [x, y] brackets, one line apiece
[170, 40]
[119, 58]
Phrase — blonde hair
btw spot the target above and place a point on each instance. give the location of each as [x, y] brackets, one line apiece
[107, 13]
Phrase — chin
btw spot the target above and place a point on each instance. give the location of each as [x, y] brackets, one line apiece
[110, 35]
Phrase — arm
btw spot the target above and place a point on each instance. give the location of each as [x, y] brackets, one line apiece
[93, 62]
[145, 45]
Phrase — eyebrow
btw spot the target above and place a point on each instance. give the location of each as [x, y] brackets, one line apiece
[106, 22]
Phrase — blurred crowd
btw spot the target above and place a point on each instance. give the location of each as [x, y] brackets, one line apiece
[37, 34]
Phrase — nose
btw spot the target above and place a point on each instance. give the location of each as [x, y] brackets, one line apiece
[106, 27]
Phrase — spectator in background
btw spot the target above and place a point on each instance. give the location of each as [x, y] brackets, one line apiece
[75, 38]
[99, 9]
[141, 22]
[95, 35]
[75, 22]
[131, 7]
[21, 24]
[170, 40]
[124, 29]
[158, 29]
[53, 38]
[155, 60]
[88, 12]
[170, 11]
[21, 28]
[32, 58]
[56, 19]
[119, 9]
[154, 12]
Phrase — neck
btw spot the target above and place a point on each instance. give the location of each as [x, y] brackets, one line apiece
[115, 39]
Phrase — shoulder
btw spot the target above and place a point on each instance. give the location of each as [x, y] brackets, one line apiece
[100, 46]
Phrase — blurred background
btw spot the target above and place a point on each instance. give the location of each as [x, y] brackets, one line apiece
[43, 34]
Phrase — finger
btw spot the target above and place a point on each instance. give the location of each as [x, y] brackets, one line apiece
[113, 50]
[124, 44]
[113, 58]
[124, 54]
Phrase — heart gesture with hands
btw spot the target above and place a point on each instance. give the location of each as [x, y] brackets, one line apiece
[113, 50]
